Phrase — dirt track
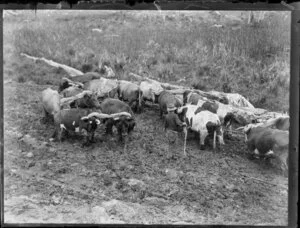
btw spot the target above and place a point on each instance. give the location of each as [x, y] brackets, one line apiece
[52, 182]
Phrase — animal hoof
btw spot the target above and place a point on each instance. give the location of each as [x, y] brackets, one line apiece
[202, 147]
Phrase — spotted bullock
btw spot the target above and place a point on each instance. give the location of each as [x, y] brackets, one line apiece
[203, 122]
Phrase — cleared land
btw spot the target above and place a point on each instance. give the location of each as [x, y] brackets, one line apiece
[150, 182]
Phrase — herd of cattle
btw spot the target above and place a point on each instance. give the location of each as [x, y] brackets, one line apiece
[86, 101]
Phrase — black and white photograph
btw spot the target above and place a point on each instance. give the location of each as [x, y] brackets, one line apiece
[146, 117]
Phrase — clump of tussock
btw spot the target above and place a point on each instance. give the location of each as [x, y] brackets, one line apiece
[21, 79]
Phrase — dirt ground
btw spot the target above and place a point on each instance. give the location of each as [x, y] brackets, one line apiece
[149, 182]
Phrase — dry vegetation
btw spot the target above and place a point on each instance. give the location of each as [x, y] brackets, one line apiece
[252, 60]
[62, 182]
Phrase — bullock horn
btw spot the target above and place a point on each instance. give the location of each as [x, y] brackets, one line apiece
[240, 128]
[82, 94]
[171, 109]
[270, 122]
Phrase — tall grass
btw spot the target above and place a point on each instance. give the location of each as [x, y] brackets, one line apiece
[251, 60]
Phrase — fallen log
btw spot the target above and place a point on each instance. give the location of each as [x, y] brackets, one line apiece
[234, 99]
[166, 86]
[242, 109]
[70, 70]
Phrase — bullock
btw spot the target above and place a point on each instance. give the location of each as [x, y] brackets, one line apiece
[209, 106]
[66, 83]
[280, 123]
[226, 117]
[86, 77]
[167, 101]
[193, 97]
[71, 91]
[151, 90]
[124, 124]
[50, 102]
[87, 101]
[70, 120]
[103, 87]
[128, 91]
[266, 142]
[203, 123]
[190, 97]
[78, 120]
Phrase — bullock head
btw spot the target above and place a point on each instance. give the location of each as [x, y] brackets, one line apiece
[124, 124]
[223, 100]
[229, 119]
[90, 123]
[112, 93]
[66, 83]
[63, 86]
[181, 112]
[211, 106]
[123, 121]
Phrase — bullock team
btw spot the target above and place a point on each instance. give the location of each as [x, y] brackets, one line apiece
[86, 101]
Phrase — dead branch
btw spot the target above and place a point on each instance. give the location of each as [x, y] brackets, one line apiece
[263, 181]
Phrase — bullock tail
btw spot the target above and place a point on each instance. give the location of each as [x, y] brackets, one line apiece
[214, 142]
[140, 96]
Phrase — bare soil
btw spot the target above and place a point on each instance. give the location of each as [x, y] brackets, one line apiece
[148, 182]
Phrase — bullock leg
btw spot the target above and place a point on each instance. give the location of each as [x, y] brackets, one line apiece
[54, 135]
[132, 104]
[220, 136]
[87, 137]
[202, 135]
[60, 134]
[109, 124]
[92, 138]
[184, 143]
[120, 135]
[214, 140]
[47, 117]
[283, 158]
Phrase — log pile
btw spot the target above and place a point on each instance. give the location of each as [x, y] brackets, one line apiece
[243, 110]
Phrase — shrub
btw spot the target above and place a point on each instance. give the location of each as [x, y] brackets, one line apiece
[21, 79]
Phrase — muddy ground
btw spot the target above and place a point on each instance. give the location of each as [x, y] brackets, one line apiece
[150, 182]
